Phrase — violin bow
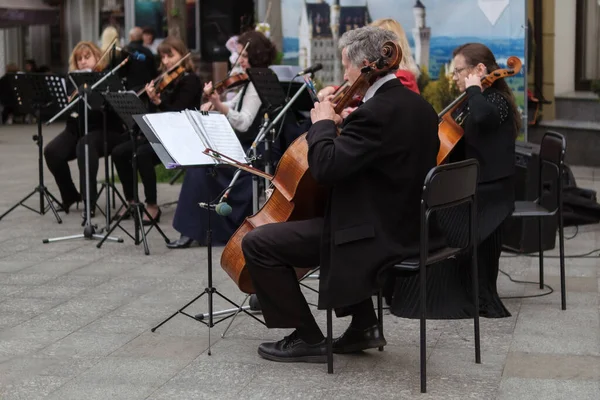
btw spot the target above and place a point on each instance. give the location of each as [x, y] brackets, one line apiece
[161, 76]
[228, 160]
[238, 59]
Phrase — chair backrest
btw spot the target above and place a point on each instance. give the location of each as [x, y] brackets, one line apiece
[552, 157]
[448, 186]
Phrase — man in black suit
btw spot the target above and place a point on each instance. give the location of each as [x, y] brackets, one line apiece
[374, 172]
[141, 68]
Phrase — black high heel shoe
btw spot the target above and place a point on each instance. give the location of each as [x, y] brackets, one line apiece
[147, 222]
[66, 205]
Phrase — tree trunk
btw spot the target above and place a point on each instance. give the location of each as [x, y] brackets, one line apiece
[176, 18]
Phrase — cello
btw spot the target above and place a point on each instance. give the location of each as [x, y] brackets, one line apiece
[450, 129]
[296, 195]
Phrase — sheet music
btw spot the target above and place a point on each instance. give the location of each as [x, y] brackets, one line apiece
[186, 134]
[179, 138]
[221, 136]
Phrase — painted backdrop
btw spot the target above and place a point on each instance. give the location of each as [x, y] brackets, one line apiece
[434, 28]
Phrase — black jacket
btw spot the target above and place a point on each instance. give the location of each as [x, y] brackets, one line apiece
[375, 170]
[137, 73]
[489, 134]
[184, 93]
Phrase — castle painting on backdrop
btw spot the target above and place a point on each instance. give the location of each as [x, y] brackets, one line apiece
[433, 27]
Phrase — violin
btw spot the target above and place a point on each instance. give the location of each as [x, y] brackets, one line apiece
[230, 82]
[450, 129]
[167, 77]
[170, 77]
[296, 195]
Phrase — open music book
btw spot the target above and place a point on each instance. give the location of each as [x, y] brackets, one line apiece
[180, 138]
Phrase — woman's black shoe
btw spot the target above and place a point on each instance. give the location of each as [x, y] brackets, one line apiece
[66, 205]
[182, 243]
[355, 340]
[147, 222]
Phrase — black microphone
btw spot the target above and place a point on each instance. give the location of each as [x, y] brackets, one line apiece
[310, 70]
[136, 55]
[223, 209]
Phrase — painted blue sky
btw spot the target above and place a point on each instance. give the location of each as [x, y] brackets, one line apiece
[445, 17]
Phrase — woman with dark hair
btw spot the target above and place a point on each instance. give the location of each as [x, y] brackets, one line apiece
[181, 94]
[491, 126]
[204, 184]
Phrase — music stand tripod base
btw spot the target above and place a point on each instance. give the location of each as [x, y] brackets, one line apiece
[126, 105]
[35, 92]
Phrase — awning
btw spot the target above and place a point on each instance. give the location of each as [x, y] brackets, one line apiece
[27, 12]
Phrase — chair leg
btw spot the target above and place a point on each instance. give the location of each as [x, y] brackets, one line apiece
[329, 343]
[541, 253]
[561, 249]
[380, 313]
[475, 276]
[423, 332]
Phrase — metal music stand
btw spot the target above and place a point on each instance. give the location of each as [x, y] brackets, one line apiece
[39, 94]
[209, 290]
[89, 230]
[267, 80]
[111, 83]
[126, 105]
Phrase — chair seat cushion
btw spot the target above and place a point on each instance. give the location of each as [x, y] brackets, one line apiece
[412, 264]
[530, 209]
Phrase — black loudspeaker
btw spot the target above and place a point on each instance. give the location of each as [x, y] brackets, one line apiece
[220, 20]
[521, 234]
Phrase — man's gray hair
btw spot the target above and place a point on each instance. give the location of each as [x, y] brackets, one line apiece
[365, 43]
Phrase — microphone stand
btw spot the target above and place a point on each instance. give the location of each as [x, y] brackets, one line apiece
[267, 126]
[95, 85]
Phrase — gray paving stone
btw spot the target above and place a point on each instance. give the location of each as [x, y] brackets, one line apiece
[32, 388]
[92, 391]
[552, 366]
[551, 389]
[82, 344]
[155, 345]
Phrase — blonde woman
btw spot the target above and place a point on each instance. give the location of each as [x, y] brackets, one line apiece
[68, 145]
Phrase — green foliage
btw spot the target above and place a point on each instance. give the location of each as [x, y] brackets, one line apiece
[423, 79]
[439, 93]
[163, 175]
[595, 86]
[278, 58]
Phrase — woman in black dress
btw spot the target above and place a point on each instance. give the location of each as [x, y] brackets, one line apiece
[183, 93]
[205, 183]
[490, 129]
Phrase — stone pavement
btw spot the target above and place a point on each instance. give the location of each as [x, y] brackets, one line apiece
[75, 321]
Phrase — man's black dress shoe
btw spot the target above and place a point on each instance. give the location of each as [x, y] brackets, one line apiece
[182, 243]
[355, 340]
[293, 349]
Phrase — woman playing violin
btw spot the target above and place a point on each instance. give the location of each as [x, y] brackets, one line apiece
[181, 91]
[491, 126]
[243, 113]
[69, 144]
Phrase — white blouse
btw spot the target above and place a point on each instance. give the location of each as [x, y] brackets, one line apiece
[242, 120]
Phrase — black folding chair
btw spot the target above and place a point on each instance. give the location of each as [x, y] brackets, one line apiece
[549, 200]
[446, 186]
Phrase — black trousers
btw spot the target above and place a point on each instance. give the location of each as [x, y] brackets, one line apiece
[270, 252]
[146, 161]
[68, 146]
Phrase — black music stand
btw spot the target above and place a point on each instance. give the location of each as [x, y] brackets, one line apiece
[209, 290]
[126, 105]
[111, 84]
[38, 94]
